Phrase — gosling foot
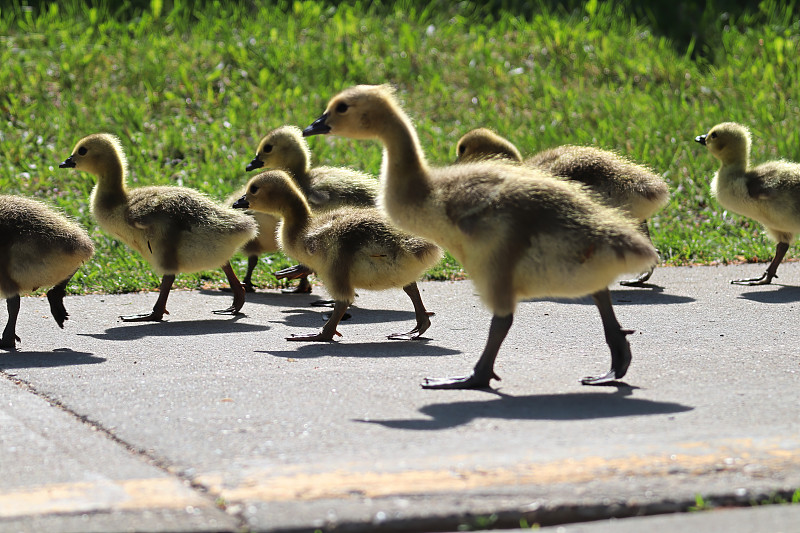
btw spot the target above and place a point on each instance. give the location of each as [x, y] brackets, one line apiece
[154, 316]
[638, 281]
[764, 279]
[293, 272]
[232, 310]
[422, 326]
[55, 297]
[9, 342]
[322, 336]
[473, 381]
[304, 287]
[620, 359]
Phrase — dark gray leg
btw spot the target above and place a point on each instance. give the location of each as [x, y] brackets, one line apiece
[615, 338]
[639, 280]
[423, 322]
[772, 269]
[160, 309]
[236, 288]
[9, 338]
[483, 373]
[247, 282]
[55, 297]
[329, 330]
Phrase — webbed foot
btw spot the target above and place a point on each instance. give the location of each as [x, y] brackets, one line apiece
[55, 298]
[322, 336]
[154, 316]
[473, 381]
[638, 281]
[764, 279]
[8, 343]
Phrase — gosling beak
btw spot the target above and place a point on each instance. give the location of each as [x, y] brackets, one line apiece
[701, 139]
[241, 203]
[68, 163]
[254, 164]
[318, 127]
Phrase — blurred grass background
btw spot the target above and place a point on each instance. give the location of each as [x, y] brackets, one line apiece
[190, 87]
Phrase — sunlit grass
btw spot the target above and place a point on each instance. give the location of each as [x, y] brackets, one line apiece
[190, 90]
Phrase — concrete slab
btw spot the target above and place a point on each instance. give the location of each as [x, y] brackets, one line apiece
[340, 435]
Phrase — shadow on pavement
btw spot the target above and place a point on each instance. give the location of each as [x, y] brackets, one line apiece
[773, 294]
[58, 357]
[138, 330]
[388, 348]
[631, 297]
[571, 406]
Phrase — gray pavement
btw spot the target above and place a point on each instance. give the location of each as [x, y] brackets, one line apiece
[213, 423]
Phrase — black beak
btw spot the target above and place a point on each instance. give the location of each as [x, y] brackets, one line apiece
[241, 203]
[68, 163]
[701, 139]
[254, 164]
[318, 127]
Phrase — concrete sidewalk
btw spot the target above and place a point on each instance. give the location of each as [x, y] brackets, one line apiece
[215, 423]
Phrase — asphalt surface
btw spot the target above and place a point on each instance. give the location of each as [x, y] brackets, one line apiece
[215, 423]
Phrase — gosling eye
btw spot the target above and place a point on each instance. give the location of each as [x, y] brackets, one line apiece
[713, 135]
[267, 148]
[253, 189]
[341, 108]
[462, 149]
[82, 150]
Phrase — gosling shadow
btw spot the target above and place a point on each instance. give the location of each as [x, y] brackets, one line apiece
[272, 297]
[769, 295]
[630, 297]
[177, 328]
[385, 349]
[311, 318]
[56, 358]
[553, 407]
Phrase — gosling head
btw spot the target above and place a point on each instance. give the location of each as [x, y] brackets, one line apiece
[269, 192]
[482, 143]
[283, 147]
[360, 112]
[96, 153]
[729, 142]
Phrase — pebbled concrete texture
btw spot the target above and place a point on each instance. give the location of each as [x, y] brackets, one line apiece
[207, 422]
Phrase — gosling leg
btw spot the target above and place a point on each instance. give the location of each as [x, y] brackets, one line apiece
[639, 280]
[9, 338]
[423, 322]
[483, 373]
[247, 282]
[55, 297]
[615, 338]
[329, 329]
[160, 309]
[237, 289]
[766, 277]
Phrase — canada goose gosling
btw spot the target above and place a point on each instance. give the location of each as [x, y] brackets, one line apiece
[176, 229]
[518, 232]
[39, 247]
[768, 193]
[348, 248]
[615, 180]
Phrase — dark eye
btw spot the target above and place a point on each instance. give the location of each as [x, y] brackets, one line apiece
[341, 108]
[82, 150]
[713, 135]
[253, 189]
[267, 148]
[462, 149]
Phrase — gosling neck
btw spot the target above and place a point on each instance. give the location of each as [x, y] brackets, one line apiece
[296, 215]
[299, 167]
[111, 190]
[405, 172]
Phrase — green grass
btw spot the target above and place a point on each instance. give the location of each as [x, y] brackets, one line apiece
[190, 90]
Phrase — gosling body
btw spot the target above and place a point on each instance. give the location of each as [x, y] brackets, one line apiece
[518, 232]
[615, 180]
[176, 229]
[348, 248]
[39, 247]
[768, 193]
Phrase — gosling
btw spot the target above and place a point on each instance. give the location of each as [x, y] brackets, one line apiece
[615, 180]
[768, 193]
[348, 248]
[518, 232]
[39, 247]
[176, 229]
[325, 188]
